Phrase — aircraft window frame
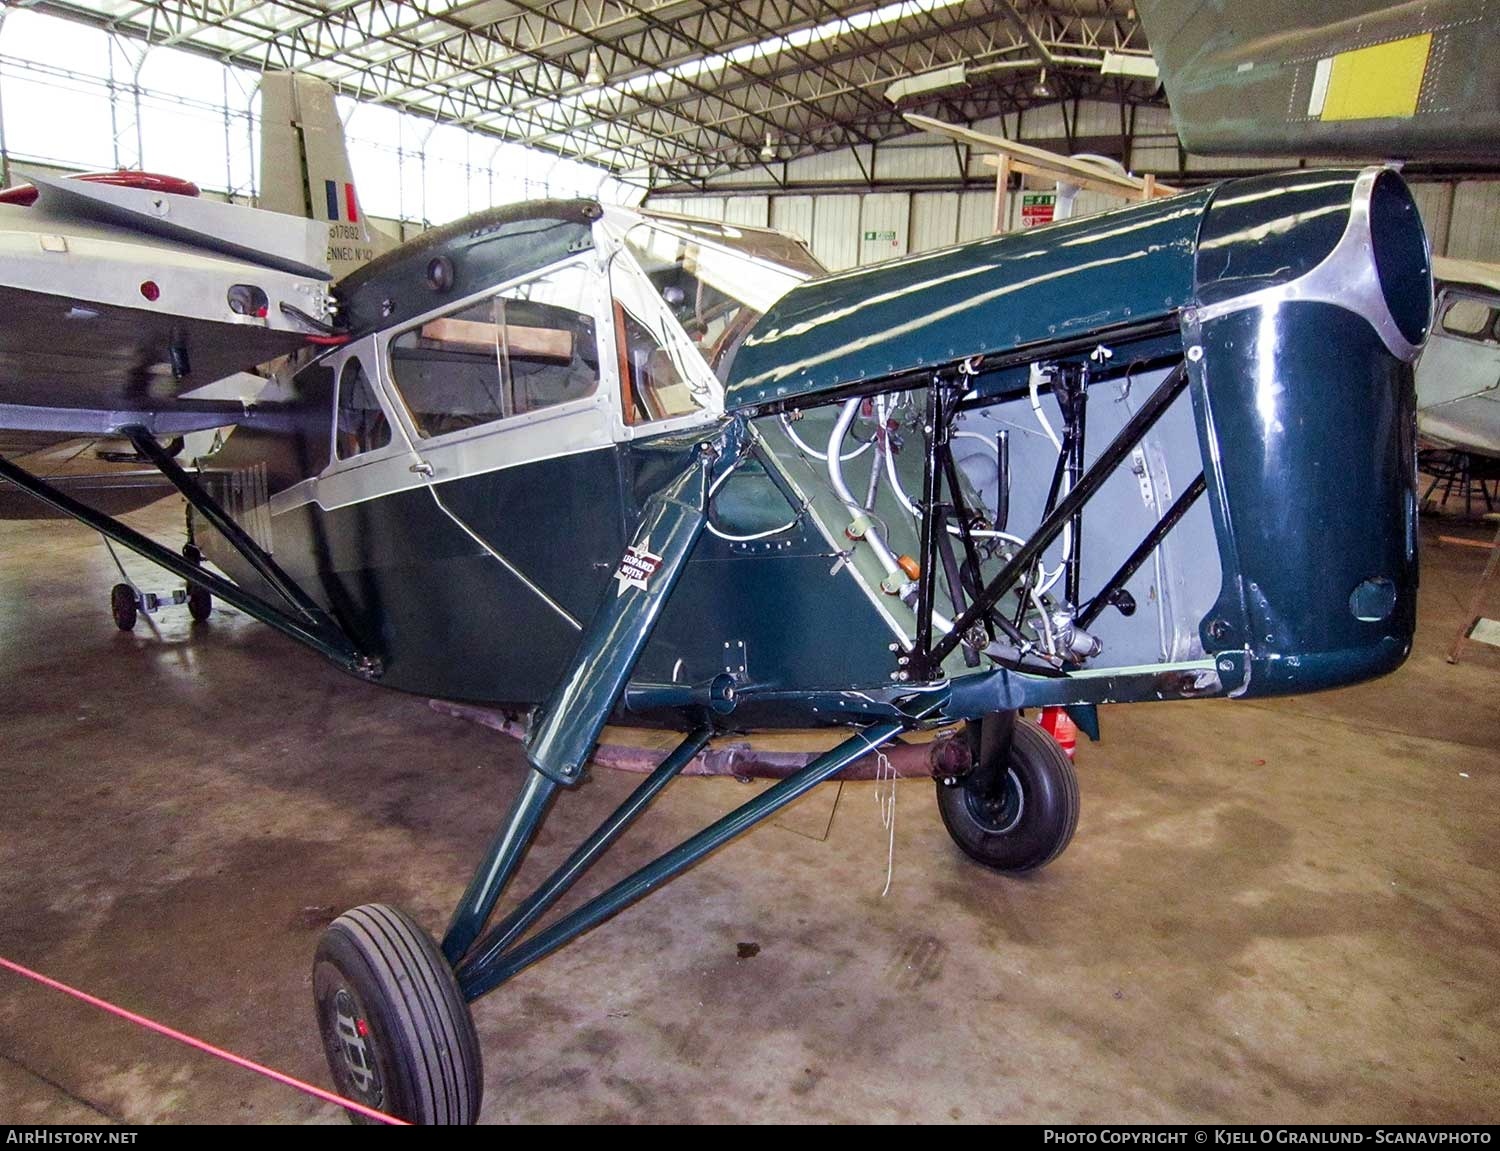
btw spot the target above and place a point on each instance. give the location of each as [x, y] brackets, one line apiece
[748, 241]
[337, 458]
[604, 356]
[1487, 333]
[632, 290]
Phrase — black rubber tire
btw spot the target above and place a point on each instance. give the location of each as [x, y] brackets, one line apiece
[407, 1045]
[200, 603]
[1036, 814]
[122, 606]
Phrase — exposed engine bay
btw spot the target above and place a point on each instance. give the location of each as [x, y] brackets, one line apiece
[859, 465]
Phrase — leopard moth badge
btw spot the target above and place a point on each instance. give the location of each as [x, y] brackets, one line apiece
[637, 566]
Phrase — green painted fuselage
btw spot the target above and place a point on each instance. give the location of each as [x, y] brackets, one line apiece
[1300, 567]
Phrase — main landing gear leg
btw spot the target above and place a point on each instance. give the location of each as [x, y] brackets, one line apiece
[395, 1029]
[391, 1009]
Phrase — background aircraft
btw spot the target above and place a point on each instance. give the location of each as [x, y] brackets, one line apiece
[1336, 78]
[304, 172]
[304, 168]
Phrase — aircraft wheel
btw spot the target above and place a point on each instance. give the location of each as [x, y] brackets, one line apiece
[1028, 817]
[200, 602]
[396, 1031]
[122, 606]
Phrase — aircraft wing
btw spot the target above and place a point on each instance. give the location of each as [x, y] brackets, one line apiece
[74, 465]
[1335, 78]
[115, 302]
[1040, 162]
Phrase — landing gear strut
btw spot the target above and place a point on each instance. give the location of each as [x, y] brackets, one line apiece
[402, 1044]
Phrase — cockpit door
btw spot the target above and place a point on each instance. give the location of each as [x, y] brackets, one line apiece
[507, 408]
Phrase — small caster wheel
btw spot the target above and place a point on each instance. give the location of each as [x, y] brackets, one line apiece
[396, 1031]
[191, 553]
[1025, 819]
[200, 602]
[122, 606]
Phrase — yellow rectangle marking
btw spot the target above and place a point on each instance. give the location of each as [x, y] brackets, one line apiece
[1383, 80]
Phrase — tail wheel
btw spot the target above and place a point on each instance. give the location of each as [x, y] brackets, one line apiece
[200, 602]
[122, 606]
[396, 1031]
[1026, 817]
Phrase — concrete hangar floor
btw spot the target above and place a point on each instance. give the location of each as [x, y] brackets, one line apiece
[1278, 911]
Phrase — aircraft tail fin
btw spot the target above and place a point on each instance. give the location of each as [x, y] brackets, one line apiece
[305, 171]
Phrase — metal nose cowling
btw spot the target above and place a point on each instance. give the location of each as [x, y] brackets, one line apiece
[1315, 298]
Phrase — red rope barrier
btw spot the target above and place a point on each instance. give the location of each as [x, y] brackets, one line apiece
[200, 1045]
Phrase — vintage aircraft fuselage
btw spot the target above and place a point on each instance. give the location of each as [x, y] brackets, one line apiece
[586, 463]
[458, 483]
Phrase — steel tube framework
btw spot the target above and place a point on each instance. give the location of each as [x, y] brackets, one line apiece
[928, 656]
[496, 966]
[1143, 551]
[688, 91]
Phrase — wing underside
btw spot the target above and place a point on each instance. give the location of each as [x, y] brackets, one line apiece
[120, 306]
[1339, 78]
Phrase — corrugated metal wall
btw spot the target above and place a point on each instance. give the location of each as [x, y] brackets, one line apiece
[1474, 233]
[846, 229]
[849, 229]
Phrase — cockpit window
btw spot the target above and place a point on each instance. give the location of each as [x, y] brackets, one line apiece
[655, 386]
[716, 293]
[759, 243]
[362, 424]
[530, 347]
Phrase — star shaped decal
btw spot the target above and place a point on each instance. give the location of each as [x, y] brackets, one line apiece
[637, 566]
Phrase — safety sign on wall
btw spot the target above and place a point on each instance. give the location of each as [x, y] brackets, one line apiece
[1037, 208]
